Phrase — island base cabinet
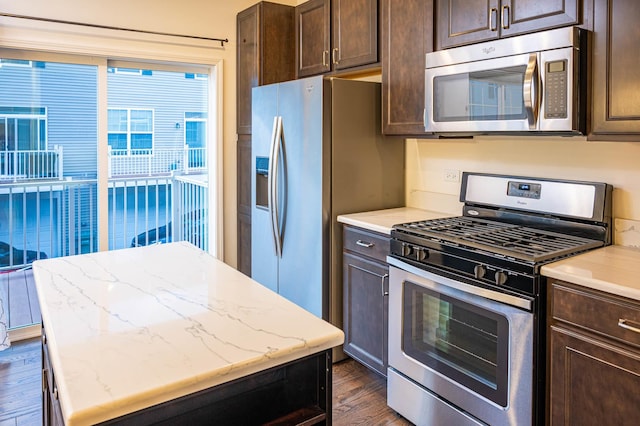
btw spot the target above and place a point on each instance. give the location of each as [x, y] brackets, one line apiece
[51, 411]
[592, 382]
[297, 393]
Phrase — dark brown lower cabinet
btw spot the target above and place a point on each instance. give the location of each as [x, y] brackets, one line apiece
[365, 298]
[51, 411]
[594, 363]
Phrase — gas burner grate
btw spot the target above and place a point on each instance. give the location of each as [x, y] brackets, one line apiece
[502, 238]
[455, 226]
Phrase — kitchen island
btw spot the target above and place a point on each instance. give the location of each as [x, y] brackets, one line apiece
[167, 333]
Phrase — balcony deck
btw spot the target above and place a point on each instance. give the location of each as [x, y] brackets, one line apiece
[18, 291]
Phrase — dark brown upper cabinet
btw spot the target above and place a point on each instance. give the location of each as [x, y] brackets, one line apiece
[615, 63]
[462, 22]
[265, 53]
[335, 35]
[406, 36]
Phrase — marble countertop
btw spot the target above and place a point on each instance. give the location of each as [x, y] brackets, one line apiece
[131, 328]
[382, 220]
[613, 269]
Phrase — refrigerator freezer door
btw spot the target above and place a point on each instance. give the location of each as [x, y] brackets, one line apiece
[304, 153]
[264, 262]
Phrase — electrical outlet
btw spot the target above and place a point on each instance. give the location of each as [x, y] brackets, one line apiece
[451, 175]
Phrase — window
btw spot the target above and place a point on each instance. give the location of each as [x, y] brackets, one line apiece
[130, 131]
[23, 129]
[75, 197]
[195, 137]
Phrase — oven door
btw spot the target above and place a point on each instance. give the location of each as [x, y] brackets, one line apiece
[467, 347]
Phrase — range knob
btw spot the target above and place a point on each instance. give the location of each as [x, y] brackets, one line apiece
[500, 277]
[421, 254]
[479, 271]
[406, 250]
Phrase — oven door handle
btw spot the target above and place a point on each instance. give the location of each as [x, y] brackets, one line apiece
[493, 295]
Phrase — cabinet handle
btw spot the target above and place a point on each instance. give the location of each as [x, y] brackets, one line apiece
[364, 244]
[505, 19]
[334, 54]
[493, 18]
[385, 292]
[625, 323]
[325, 53]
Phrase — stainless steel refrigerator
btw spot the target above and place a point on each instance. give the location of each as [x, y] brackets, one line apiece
[317, 152]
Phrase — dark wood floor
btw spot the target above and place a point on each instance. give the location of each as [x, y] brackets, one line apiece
[359, 395]
[20, 384]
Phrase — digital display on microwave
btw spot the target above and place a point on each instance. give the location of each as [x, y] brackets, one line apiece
[556, 66]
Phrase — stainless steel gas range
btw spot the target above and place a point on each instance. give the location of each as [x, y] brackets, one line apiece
[467, 301]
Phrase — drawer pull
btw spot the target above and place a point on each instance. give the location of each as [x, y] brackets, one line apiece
[624, 323]
[364, 244]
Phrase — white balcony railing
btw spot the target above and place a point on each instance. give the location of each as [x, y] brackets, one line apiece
[18, 166]
[53, 219]
[31, 165]
[147, 162]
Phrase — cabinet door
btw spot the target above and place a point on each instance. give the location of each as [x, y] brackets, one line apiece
[592, 382]
[525, 16]
[616, 100]
[313, 38]
[466, 21]
[407, 35]
[265, 53]
[355, 33]
[365, 298]
[247, 66]
[244, 177]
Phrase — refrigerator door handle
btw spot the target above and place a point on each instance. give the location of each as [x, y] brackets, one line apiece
[275, 171]
[270, 182]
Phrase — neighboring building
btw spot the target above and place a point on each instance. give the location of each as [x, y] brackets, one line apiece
[48, 153]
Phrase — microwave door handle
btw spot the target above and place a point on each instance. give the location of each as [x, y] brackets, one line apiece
[530, 91]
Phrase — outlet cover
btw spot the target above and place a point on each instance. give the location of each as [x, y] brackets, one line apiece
[451, 175]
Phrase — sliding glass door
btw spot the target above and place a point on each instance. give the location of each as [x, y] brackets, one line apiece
[65, 142]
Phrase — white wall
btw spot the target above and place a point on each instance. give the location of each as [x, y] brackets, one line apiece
[617, 163]
[204, 18]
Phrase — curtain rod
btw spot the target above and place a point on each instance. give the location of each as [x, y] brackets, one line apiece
[107, 27]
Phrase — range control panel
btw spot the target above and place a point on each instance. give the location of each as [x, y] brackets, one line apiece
[524, 189]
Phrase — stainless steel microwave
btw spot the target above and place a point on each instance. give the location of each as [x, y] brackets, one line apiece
[530, 83]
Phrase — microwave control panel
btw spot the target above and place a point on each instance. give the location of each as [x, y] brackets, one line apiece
[555, 89]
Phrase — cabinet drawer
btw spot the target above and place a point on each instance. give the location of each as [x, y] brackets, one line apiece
[367, 243]
[611, 316]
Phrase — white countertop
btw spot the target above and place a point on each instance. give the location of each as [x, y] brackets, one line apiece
[613, 269]
[383, 220]
[131, 328]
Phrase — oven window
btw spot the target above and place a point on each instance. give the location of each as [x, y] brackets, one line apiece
[480, 95]
[464, 342]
